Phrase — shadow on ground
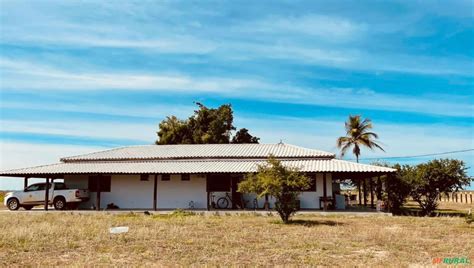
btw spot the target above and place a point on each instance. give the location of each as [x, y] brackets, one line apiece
[311, 223]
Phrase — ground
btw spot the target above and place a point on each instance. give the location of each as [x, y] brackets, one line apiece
[2, 195]
[83, 239]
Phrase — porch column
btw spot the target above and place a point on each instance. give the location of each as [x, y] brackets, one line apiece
[207, 192]
[379, 188]
[25, 183]
[155, 191]
[266, 205]
[365, 192]
[325, 193]
[360, 193]
[372, 193]
[46, 194]
[97, 199]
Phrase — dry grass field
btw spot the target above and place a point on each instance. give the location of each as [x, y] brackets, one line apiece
[83, 239]
[2, 194]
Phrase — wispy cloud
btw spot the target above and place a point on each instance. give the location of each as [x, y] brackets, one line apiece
[329, 28]
[326, 40]
[32, 76]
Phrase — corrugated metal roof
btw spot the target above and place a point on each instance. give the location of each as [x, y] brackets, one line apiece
[191, 166]
[193, 151]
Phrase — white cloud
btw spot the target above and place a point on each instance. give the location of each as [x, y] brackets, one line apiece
[397, 139]
[316, 39]
[30, 75]
[27, 75]
[330, 28]
[18, 155]
[90, 129]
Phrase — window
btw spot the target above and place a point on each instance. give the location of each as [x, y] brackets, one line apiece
[165, 177]
[59, 186]
[103, 181]
[144, 177]
[35, 187]
[185, 177]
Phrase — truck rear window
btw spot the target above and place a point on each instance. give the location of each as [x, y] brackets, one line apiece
[60, 186]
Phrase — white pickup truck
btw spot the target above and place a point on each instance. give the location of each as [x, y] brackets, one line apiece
[59, 196]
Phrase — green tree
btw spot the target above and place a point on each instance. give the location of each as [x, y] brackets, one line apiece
[283, 183]
[398, 186]
[243, 136]
[358, 134]
[435, 177]
[205, 126]
[174, 131]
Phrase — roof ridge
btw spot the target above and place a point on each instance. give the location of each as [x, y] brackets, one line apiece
[102, 151]
[216, 150]
[300, 147]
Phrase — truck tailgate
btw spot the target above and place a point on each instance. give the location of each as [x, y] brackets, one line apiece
[82, 193]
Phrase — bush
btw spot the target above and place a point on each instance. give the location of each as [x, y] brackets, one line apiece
[398, 187]
[283, 183]
[435, 177]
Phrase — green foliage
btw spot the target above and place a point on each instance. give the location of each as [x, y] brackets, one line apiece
[357, 134]
[243, 136]
[435, 177]
[205, 126]
[174, 131]
[398, 187]
[424, 183]
[283, 183]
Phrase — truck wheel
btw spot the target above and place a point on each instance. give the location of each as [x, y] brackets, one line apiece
[13, 204]
[27, 207]
[59, 203]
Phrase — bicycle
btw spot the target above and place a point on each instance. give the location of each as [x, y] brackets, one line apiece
[227, 200]
[224, 202]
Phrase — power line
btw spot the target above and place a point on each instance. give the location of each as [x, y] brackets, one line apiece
[416, 156]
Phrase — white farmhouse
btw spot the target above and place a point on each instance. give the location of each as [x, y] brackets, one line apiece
[193, 176]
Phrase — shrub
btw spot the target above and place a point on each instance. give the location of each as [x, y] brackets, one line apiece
[283, 183]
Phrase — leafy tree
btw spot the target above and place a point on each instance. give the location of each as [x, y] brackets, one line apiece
[435, 177]
[243, 136]
[210, 125]
[174, 131]
[283, 183]
[205, 126]
[398, 186]
[358, 134]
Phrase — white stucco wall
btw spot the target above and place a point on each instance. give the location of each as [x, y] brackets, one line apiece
[308, 200]
[176, 193]
[129, 192]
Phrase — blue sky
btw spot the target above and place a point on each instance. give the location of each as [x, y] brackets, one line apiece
[79, 76]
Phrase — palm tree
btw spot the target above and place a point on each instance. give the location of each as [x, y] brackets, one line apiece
[358, 134]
